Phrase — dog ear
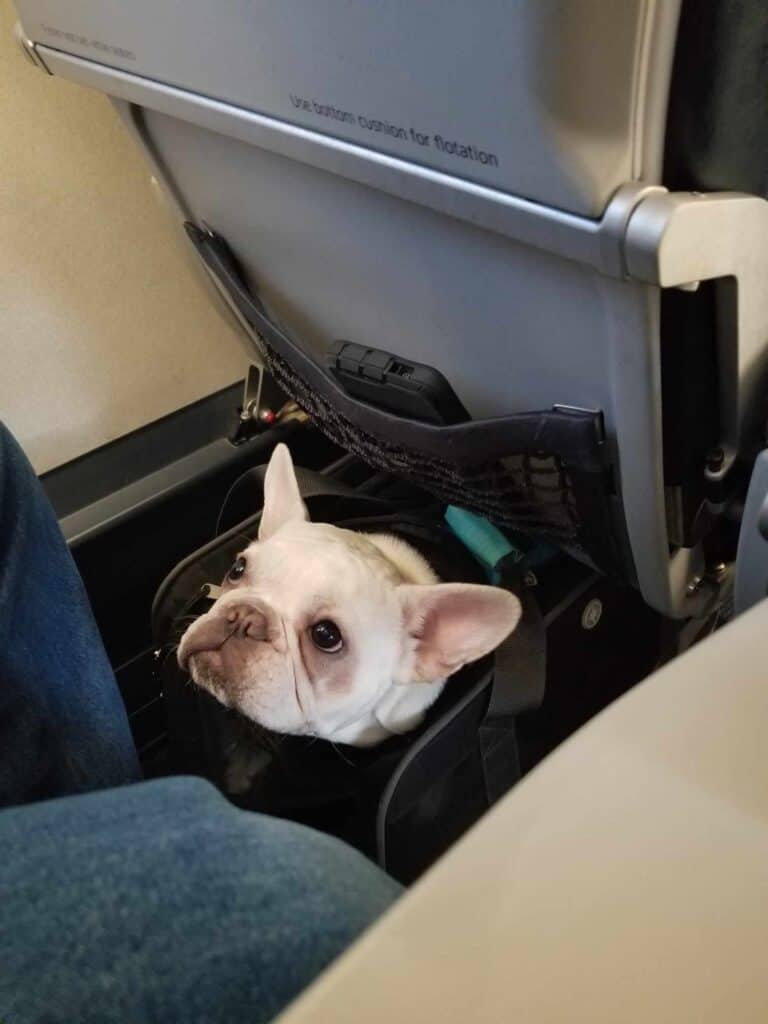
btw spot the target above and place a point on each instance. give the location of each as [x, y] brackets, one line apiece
[282, 500]
[453, 624]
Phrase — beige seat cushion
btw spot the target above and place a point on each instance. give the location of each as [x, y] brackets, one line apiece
[626, 879]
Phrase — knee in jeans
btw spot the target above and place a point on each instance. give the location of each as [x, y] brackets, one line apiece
[11, 454]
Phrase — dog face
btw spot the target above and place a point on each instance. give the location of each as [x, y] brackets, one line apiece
[325, 632]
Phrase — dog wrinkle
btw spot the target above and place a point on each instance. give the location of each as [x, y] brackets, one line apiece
[208, 633]
[295, 680]
[341, 677]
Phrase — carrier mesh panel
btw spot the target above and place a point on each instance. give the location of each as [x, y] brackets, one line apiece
[534, 494]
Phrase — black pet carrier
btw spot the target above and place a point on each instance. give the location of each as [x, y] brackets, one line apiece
[406, 800]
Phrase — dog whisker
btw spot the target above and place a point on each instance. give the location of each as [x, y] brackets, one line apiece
[342, 756]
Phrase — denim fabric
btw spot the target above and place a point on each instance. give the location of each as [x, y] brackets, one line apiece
[63, 727]
[162, 902]
[155, 902]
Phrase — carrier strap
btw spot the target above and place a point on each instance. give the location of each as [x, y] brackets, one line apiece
[519, 679]
[521, 661]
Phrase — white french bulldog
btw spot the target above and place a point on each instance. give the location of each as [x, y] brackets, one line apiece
[325, 632]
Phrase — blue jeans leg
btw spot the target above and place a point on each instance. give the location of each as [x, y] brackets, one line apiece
[161, 902]
[63, 727]
[148, 903]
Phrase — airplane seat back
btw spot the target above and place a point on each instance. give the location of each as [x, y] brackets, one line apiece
[481, 189]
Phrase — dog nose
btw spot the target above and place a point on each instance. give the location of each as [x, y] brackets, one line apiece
[248, 620]
[241, 621]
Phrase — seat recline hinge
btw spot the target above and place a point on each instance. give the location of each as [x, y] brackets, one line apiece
[677, 240]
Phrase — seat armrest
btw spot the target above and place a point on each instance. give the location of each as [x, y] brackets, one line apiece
[624, 879]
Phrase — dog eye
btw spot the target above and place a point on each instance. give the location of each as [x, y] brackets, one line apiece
[237, 569]
[327, 636]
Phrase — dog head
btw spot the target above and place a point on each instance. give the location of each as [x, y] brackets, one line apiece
[326, 632]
